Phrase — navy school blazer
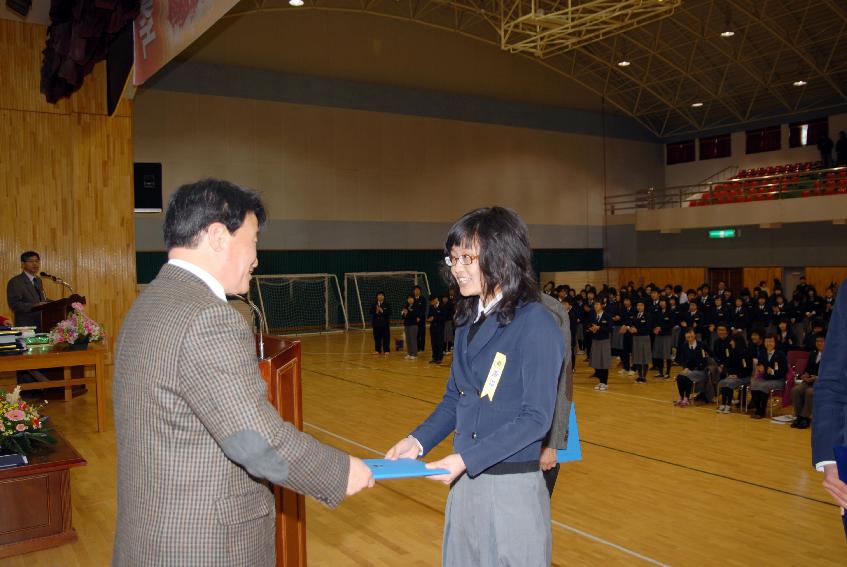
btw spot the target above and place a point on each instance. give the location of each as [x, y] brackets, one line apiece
[511, 427]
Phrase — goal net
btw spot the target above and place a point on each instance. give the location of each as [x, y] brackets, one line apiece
[360, 289]
[299, 303]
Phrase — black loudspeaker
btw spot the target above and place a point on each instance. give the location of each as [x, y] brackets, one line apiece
[148, 187]
[20, 7]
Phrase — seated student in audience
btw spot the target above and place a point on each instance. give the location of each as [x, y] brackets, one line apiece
[803, 393]
[828, 304]
[818, 330]
[770, 375]
[740, 317]
[549, 288]
[696, 321]
[620, 334]
[784, 337]
[813, 307]
[663, 324]
[448, 311]
[736, 369]
[381, 321]
[704, 298]
[411, 316]
[761, 315]
[436, 319]
[599, 327]
[639, 327]
[692, 357]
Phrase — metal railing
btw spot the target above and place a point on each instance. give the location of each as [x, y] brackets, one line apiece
[761, 188]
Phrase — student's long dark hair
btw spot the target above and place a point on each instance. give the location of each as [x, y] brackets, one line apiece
[505, 261]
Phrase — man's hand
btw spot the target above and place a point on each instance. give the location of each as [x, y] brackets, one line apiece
[406, 448]
[453, 463]
[548, 458]
[836, 488]
[359, 477]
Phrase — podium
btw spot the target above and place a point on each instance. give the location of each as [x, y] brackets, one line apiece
[281, 371]
[53, 312]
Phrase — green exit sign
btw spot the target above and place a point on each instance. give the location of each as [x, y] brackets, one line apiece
[723, 233]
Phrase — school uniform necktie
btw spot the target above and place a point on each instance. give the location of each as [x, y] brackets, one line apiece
[475, 327]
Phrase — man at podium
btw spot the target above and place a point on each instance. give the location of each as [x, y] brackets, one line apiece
[24, 291]
[197, 439]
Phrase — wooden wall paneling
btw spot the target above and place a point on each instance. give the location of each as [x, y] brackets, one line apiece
[752, 276]
[688, 278]
[822, 276]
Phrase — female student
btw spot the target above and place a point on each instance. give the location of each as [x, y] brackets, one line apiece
[736, 367]
[663, 327]
[411, 317]
[692, 356]
[640, 326]
[770, 375]
[599, 329]
[499, 400]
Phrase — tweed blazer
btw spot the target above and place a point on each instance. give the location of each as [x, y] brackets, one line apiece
[197, 440]
[22, 297]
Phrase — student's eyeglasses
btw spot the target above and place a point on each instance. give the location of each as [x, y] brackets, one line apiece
[464, 260]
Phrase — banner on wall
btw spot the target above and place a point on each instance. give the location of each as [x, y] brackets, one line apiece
[164, 28]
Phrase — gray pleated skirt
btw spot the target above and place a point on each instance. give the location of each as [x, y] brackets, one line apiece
[675, 336]
[617, 338]
[734, 382]
[697, 376]
[601, 355]
[448, 332]
[767, 385]
[641, 351]
[580, 334]
[663, 347]
[498, 521]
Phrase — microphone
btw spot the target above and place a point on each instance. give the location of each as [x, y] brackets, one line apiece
[58, 280]
[258, 314]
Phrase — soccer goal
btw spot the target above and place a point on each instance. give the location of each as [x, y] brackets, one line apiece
[299, 303]
[360, 289]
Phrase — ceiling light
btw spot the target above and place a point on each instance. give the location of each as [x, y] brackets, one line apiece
[727, 33]
[295, 2]
[800, 83]
[624, 63]
[696, 104]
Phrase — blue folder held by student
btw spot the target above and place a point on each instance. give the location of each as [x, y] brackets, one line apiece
[573, 452]
[383, 469]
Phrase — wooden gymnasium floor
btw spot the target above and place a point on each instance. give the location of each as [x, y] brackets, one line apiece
[658, 485]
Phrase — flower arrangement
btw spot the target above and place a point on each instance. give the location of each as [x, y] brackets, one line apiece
[77, 328]
[21, 424]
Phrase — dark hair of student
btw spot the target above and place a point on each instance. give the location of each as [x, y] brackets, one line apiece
[505, 261]
[382, 293]
[195, 206]
[29, 254]
[770, 336]
[740, 342]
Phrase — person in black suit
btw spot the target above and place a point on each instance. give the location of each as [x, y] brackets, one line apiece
[771, 371]
[24, 291]
[692, 357]
[422, 307]
[830, 404]
[802, 396]
[381, 322]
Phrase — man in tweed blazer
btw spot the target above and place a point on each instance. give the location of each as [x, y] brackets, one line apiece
[198, 442]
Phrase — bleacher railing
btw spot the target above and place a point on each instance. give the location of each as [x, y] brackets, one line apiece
[830, 181]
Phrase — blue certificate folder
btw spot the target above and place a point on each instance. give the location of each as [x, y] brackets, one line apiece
[841, 462]
[384, 469]
[573, 452]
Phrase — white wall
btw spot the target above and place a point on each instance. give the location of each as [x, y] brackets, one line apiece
[695, 172]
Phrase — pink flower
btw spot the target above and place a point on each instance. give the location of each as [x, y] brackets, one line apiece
[77, 305]
[20, 427]
[15, 415]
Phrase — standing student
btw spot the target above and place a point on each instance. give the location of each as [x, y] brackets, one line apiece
[599, 329]
[567, 303]
[802, 395]
[692, 357]
[422, 307]
[436, 329]
[381, 323]
[623, 336]
[740, 317]
[411, 319]
[449, 309]
[499, 400]
[639, 329]
[663, 327]
[770, 375]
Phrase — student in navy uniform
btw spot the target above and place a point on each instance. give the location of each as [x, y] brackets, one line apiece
[692, 356]
[813, 307]
[499, 401]
[740, 317]
[761, 315]
[626, 313]
[639, 328]
[411, 317]
[818, 329]
[600, 329]
[436, 329]
[567, 303]
[802, 395]
[663, 326]
[449, 311]
[381, 323]
[585, 319]
[422, 307]
[736, 370]
[785, 340]
[720, 314]
[828, 304]
[770, 375]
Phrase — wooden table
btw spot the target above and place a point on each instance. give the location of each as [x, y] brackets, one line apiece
[47, 356]
[37, 501]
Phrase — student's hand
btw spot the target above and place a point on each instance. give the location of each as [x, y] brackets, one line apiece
[770, 371]
[548, 458]
[406, 448]
[359, 477]
[453, 463]
[836, 488]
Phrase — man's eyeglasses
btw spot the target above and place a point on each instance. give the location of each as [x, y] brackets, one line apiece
[464, 260]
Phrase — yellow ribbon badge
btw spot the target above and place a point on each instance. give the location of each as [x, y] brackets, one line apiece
[494, 375]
